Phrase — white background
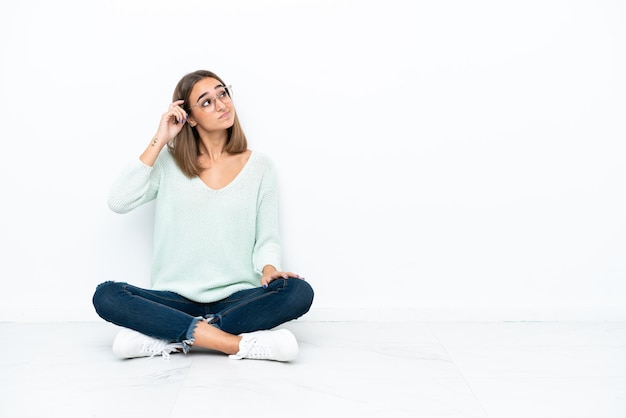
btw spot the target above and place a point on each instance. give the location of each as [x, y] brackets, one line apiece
[437, 159]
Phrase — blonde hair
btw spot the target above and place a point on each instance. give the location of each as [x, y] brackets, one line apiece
[185, 147]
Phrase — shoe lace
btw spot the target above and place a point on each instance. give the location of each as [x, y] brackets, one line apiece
[256, 350]
[156, 347]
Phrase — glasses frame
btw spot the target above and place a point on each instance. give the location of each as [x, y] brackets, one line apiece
[229, 92]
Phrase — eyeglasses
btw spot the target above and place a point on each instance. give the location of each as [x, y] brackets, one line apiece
[207, 104]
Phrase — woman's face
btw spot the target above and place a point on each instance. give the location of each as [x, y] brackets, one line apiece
[211, 106]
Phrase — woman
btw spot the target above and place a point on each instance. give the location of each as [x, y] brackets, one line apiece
[216, 276]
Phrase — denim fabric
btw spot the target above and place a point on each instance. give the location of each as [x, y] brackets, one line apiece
[170, 316]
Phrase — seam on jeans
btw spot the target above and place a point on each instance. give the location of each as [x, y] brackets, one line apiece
[258, 290]
[263, 294]
[125, 287]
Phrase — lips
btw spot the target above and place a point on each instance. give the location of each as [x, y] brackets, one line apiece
[224, 115]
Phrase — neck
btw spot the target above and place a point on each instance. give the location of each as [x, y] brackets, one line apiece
[213, 145]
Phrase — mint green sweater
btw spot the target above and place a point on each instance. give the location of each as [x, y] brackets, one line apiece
[208, 243]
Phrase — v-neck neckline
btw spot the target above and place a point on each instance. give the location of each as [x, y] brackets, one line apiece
[234, 180]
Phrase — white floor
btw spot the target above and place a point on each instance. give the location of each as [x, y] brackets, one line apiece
[345, 369]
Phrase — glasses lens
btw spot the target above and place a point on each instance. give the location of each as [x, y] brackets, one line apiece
[222, 94]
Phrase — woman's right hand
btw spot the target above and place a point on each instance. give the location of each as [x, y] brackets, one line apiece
[172, 122]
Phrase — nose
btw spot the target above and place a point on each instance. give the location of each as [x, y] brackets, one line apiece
[219, 104]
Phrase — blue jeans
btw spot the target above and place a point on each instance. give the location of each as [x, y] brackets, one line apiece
[170, 316]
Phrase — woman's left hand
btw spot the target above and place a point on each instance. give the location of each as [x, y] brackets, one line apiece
[269, 275]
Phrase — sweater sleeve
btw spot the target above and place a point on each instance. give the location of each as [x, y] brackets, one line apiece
[135, 185]
[267, 247]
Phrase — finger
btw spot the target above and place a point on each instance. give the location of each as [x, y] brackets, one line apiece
[180, 118]
[290, 274]
[265, 281]
[180, 113]
[280, 275]
[177, 115]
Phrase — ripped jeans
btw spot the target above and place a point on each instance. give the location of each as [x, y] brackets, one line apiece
[172, 317]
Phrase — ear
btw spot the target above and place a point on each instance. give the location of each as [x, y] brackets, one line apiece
[191, 122]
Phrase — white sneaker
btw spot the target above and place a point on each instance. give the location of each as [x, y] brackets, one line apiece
[130, 344]
[279, 345]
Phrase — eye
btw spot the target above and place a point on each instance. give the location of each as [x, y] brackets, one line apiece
[205, 103]
[222, 93]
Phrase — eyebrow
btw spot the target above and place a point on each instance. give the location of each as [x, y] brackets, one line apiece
[206, 92]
